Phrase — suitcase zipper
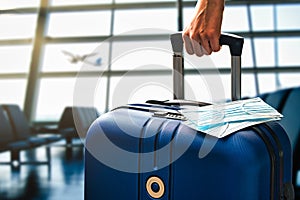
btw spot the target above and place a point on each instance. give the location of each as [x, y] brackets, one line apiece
[272, 159]
[280, 154]
[286, 189]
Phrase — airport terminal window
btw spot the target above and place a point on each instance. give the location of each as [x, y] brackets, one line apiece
[15, 58]
[128, 20]
[141, 55]
[54, 95]
[247, 55]
[141, 1]
[267, 82]
[13, 91]
[57, 93]
[289, 79]
[204, 91]
[17, 31]
[207, 85]
[137, 89]
[265, 12]
[265, 52]
[288, 51]
[270, 44]
[11, 4]
[287, 17]
[15, 26]
[99, 100]
[79, 24]
[235, 19]
[68, 57]
[222, 58]
[78, 2]
[248, 85]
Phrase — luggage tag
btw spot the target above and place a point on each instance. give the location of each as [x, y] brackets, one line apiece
[221, 120]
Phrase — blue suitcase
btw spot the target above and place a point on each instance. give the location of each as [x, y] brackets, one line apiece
[145, 152]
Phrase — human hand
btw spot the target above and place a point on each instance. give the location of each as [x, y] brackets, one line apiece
[201, 36]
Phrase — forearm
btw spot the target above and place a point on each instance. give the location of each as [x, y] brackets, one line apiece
[205, 26]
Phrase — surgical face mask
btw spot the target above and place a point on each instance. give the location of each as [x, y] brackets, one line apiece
[221, 120]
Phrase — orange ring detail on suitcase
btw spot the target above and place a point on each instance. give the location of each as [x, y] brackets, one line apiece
[161, 187]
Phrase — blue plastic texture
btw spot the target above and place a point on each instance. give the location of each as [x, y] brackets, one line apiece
[236, 167]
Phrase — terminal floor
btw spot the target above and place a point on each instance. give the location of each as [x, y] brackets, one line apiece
[62, 180]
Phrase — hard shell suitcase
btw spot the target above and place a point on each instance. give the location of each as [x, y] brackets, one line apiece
[144, 151]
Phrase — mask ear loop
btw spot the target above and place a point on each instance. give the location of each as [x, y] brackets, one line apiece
[225, 126]
[261, 112]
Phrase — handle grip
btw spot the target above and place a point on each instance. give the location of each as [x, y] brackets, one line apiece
[234, 42]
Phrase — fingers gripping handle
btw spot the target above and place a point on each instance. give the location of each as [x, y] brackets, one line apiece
[235, 44]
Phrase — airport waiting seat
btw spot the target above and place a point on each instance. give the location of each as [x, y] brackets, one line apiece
[74, 122]
[7, 140]
[10, 142]
[22, 128]
[287, 102]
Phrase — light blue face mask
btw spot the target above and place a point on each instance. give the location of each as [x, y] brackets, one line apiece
[223, 119]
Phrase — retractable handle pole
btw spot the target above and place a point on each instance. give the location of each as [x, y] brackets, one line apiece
[235, 44]
[178, 66]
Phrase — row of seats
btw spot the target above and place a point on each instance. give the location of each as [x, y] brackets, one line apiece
[16, 134]
[74, 123]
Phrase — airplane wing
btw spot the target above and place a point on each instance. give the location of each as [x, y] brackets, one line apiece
[67, 53]
[88, 55]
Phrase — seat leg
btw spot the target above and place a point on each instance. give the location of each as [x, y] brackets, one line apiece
[15, 155]
[48, 155]
[69, 141]
[15, 161]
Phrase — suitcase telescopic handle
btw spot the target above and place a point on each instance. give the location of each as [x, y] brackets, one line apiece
[235, 44]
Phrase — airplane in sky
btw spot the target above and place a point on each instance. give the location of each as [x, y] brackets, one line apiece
[74, 58]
